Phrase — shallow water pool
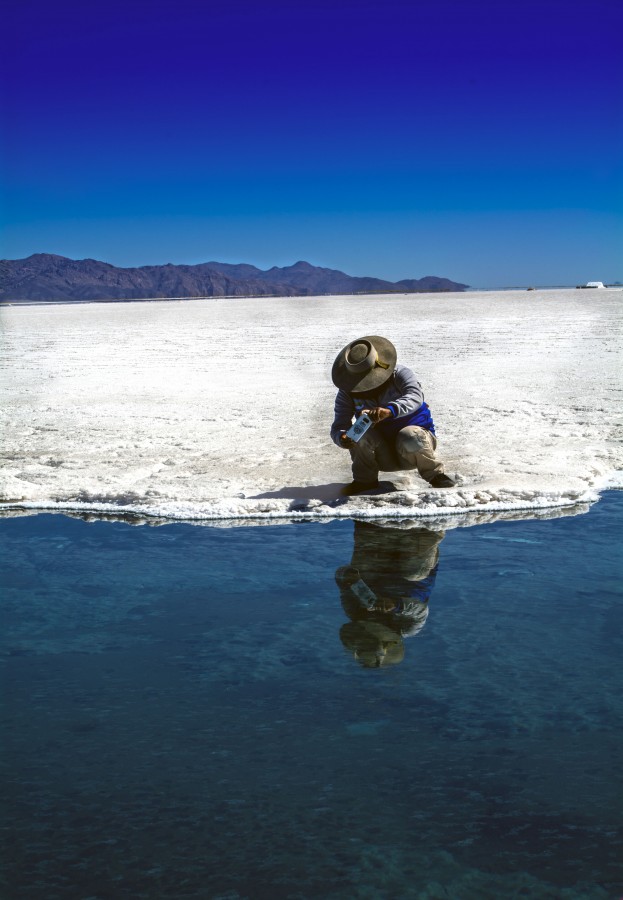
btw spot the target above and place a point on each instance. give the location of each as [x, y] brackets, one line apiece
[313, 710]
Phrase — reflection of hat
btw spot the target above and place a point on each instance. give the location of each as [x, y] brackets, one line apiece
[364, 364]
[372, 644]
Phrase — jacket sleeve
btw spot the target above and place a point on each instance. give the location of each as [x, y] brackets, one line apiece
[343, 418]
[411, 395]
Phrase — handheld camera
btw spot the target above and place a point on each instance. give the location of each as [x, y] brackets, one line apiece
[359, 428]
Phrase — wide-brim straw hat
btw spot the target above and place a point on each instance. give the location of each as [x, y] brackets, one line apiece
[364, 364]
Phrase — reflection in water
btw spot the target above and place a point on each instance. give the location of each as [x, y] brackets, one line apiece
[385, 590]
[180, 719]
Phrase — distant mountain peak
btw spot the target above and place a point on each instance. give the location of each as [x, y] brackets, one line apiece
[48, 277]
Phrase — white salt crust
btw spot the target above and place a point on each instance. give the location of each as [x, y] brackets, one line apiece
[219, 409]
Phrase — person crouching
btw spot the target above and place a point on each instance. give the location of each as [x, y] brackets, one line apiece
[402, 437]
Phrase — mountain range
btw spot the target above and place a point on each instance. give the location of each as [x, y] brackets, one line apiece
[46, 277]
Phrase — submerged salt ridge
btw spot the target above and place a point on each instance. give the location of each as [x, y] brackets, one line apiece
[220, 409]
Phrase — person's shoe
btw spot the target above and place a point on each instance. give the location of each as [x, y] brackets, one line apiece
[441, 481]
[358, 487]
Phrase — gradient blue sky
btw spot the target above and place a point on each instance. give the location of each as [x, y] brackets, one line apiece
[482, 141]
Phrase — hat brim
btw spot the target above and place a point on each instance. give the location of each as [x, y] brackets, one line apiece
[357, 383]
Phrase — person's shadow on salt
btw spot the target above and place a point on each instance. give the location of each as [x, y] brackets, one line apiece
[323, 492]
[386, 589]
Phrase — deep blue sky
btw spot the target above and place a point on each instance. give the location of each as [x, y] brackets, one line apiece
[482, 141]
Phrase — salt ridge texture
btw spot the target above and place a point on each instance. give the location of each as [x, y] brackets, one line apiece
[219, 409]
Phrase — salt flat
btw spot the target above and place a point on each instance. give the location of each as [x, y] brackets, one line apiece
[220, 408]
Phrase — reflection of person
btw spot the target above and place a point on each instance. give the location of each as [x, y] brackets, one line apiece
[385, 590]
[403, 434]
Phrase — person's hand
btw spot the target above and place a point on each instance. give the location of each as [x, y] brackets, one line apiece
[385, 605]
[346, 442]
[378, 413]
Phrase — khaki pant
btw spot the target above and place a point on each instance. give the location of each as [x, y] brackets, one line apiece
[412, 448]
[387, 557]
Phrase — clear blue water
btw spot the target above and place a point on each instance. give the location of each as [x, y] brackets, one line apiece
[313, 710]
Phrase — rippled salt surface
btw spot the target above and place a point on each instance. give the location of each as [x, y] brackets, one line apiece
[198, 712]
[220, 409]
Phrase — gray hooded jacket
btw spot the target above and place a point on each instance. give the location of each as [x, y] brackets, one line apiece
[401, 394]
